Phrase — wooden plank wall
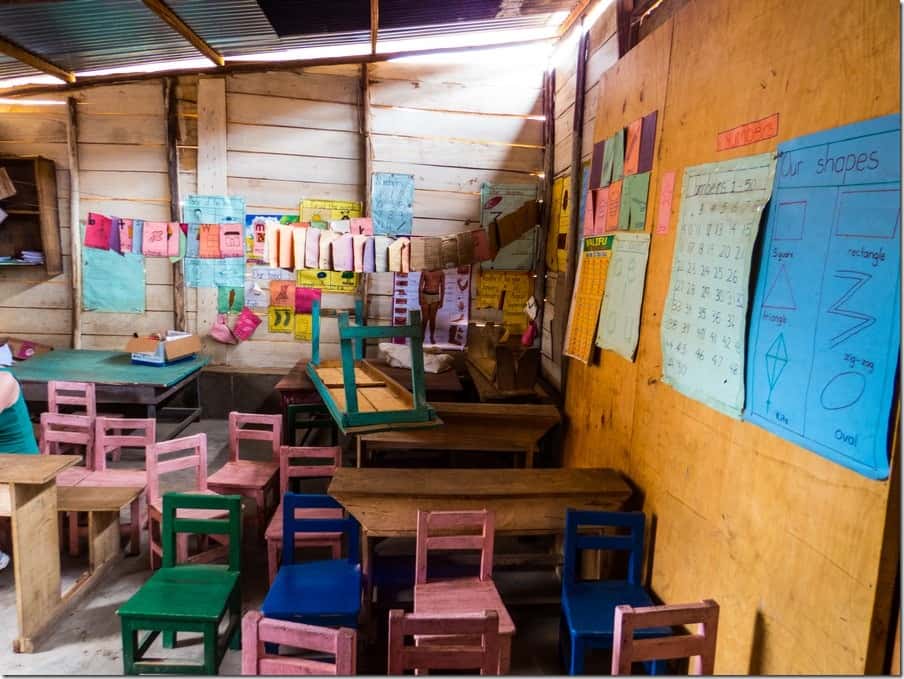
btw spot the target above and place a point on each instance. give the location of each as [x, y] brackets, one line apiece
[602, 53]
[789, 544]
[290, 134]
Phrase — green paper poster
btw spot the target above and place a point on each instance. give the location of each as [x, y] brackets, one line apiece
[112, 282]
[613, 159]
[633, 211]
[230, 299]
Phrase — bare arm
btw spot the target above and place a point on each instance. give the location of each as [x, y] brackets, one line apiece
[9, 390]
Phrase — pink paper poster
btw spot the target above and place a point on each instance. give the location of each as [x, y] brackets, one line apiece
[97, 231]
[154, 241]
[666, 193]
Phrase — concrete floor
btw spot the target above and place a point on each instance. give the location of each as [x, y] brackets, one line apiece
[87, 641]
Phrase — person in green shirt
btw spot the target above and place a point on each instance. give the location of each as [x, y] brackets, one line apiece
[16, 433]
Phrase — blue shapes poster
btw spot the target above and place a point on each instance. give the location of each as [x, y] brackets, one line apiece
[824, 332]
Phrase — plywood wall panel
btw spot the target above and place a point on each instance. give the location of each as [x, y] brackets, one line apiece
[787, 542]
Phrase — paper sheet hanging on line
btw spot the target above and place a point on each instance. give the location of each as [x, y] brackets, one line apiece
[154, 239]
[112, 281]
[824, 330]
[704, 319]
[449, 329]
[210, 209]
[392, 202]
[97, 231]
[232, 241]
[632, 214]
[619, 323]
[314, 209]
[584, 311]
[209, 241]
[361, 226]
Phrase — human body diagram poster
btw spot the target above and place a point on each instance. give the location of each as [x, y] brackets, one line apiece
[451, 325]
[824, 332]
[704, 320]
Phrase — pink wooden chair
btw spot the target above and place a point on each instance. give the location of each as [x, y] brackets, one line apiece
[700, 646]
[258, 630]
[471, 642]
[78, 395]
[460, 530]
[251, 478]
[196, 459]
[287, 470]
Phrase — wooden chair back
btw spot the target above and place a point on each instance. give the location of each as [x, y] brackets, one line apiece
[458, 530]
[449, 655]
[699, 646]
[173, 524]
[271, 432]
[258, 631]
[78, 394]
[632, 542]
[287, 470]
[108, 435]
[196, 459]
[308, 523]
[73, 429]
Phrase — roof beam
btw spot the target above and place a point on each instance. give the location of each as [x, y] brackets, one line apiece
[374, 24]
[13, 50]
[162, 10]
[573, 16]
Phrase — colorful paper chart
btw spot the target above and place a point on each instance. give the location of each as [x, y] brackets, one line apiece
[585, 307]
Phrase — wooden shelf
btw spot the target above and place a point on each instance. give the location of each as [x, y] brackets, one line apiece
[33, 217]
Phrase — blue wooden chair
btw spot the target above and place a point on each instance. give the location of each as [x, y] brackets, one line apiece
[588, 606]
[326, 593]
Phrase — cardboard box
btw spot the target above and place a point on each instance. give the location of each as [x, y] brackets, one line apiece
[176, 346]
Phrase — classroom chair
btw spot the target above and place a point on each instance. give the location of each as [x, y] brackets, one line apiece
[80, 396]
[459, 531]
[310, 416]
[588, 606]
[274, 533]
[258, 631]
[316, 592]
[196, 459]
[472, 642]
[699, 646]
[251, 478]
[187, 597]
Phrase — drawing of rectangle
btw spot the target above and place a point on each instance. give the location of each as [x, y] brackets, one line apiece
[874, 213]
[789, 220]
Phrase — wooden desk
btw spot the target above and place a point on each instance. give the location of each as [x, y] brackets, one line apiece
[30, 500]
[525, 501]
[483, 427]
[118, 380]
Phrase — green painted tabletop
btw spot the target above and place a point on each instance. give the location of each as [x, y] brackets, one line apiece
[103, 367]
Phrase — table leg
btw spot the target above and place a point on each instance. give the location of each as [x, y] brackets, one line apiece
[103, 538]
[505, 654]
[529, 458]
[360, 448]
[36, 558]
[367, 573]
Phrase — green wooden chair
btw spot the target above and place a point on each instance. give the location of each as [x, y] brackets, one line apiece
[187, 597]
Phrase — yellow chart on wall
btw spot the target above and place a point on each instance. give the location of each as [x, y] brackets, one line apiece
[508, 291]
[303, 326]
[585, 308]
[559, 220]
[328, 281]
[328, 210]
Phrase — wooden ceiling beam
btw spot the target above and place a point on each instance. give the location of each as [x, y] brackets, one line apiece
[374, 24]
[162, 10]
[573, 16]
[19, 53]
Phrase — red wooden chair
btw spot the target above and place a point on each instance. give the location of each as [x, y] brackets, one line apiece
[287, 470]
[700, 647]
[471, 642]
[460, 530]
[258, 630]
[250, 478]
[80, 396]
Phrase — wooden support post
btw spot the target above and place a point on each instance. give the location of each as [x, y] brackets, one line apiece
[211, 178]
[575, 227]
[75, 231]
[367, 159]
[549, 149]
[623, 21]
[170, 104]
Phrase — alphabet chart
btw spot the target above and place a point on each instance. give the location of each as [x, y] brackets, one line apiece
[585, 309]
[704, 320]
[619, 324]
[824, 331]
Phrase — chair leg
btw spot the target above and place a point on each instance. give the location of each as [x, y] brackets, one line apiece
[73, 534]
[135, 526]
[235, 613]
[336, 549]
[182, 547]
[576, 666]
[260, 498]
[272, 556]
[169, 640]
[210, 650]
[129, 642]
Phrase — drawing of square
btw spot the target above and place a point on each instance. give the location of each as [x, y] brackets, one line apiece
[789, 220]
[871, 213]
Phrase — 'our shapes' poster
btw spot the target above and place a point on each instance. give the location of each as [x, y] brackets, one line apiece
[824, 332]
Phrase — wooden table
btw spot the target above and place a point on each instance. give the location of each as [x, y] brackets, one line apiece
[525, 501]
[118, 380]
[472, 427]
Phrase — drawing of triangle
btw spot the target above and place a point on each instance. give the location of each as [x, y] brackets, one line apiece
[780, 295]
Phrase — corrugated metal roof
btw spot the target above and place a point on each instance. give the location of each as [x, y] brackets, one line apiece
[88, 35]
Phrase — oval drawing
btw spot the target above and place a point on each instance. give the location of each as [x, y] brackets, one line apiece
[843, 390]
